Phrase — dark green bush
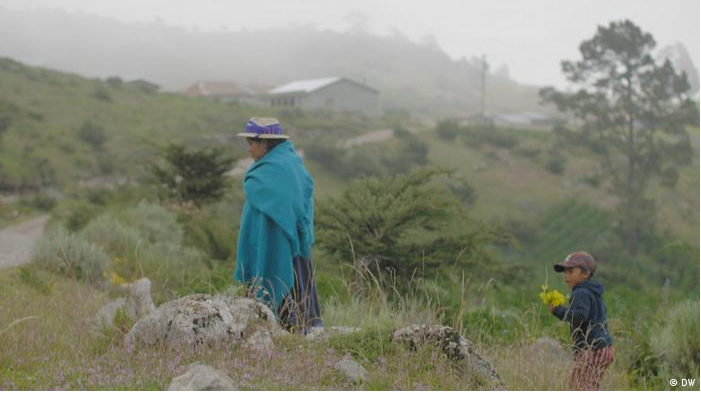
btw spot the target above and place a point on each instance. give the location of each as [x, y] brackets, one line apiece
[479, 135]
[193, 176]
[401, 223]
[556, 164]
[448, 130]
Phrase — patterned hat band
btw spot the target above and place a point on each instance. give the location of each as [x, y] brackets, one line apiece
[270, 129]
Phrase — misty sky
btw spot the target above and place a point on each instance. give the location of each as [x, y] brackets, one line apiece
[531, 37]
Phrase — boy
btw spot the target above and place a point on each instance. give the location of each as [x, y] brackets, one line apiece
[586, 315]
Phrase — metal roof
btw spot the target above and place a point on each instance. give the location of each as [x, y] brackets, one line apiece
[305, 86]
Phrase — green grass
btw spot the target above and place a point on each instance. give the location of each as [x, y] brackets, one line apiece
[511, 186]
[47, 343]
[46, 108]
[568, 227]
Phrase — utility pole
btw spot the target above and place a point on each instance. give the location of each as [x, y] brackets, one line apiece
[485, 66]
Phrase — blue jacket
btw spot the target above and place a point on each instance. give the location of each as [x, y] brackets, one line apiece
[276, 223]
[586, 314]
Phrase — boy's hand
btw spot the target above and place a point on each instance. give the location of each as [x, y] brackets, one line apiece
[551, 308]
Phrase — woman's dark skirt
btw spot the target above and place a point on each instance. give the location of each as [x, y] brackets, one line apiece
[300, 308]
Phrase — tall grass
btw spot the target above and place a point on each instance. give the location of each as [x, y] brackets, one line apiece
[677, 340]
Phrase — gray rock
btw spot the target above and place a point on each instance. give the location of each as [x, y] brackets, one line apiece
[455, 346]
[205, 320]
[321, 333]
[139, 299]
[261, 340]
[105, 315]
[201, 377]
[351, 369]
[137, 303]
[548, 349]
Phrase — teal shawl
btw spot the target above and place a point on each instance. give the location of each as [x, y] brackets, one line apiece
[276, 223]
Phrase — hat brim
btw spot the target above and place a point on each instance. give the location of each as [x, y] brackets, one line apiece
[559, 268]
[262, 136]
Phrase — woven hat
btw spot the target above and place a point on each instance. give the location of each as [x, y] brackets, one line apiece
[577, 259]
[263, 128]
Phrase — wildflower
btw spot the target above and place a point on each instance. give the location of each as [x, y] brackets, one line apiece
[553, 297]
[117, 279]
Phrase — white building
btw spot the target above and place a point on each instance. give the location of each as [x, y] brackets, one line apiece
[336, 94]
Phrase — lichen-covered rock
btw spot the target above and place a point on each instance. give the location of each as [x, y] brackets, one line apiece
[205, 320]
[261, 340]
[201, 377]
[455, 346]
[352, 370]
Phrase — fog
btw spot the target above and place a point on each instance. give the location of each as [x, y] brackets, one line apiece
[527, 38]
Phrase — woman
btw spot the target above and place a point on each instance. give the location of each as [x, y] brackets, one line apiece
[276, 234]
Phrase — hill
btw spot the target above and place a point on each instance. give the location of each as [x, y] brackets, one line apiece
[418, 78]
[58, 128]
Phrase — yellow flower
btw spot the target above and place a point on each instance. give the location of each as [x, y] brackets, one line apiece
[117, 279]
[553, 297]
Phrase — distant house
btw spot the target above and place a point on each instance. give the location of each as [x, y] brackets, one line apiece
[333, 93]
[227, 92]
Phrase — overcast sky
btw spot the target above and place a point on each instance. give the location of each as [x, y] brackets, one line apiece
[530, 36]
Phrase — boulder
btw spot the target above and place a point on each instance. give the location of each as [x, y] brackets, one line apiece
[201, 377]
[455, 346]
[352, 370]
[201, 319]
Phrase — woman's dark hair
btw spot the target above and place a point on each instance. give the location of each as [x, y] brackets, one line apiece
[269, 143]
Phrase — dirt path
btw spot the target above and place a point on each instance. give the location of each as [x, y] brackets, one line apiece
[16, 241]
[370, 137]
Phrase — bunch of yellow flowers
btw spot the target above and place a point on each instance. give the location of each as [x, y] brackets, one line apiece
[553, 297]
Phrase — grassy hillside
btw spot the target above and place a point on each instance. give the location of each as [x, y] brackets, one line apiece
[514, 183]
[43, 113]
[55, 346]
[549, 196]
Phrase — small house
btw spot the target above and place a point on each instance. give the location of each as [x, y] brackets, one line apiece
[336, 94]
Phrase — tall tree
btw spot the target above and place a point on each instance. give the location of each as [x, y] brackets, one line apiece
[634, 112]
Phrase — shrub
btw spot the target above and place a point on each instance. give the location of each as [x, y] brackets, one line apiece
[114, 81]
[77, 214]
[193, 176]
[101, 94]
[93, 134]
[677, 341]
[43, 202]
[448, 130]
[556, 164]
[155, 222]
[397, 224]
[147, 241]
[214, 235]
[69, 254]
[478, 135]
[112, 235]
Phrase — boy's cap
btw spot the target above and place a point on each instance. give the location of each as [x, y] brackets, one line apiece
[577, 259]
